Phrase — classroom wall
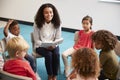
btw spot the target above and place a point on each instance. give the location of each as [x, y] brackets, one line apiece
[106, 15]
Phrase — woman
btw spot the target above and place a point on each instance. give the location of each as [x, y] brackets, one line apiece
[47, 29]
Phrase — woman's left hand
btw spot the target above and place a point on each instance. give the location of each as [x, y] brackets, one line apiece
[51, 47]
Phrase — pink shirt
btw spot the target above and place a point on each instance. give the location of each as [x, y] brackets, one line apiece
[84, 40]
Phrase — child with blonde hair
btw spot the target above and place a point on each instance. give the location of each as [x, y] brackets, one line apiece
[17, 49]
[85, 64]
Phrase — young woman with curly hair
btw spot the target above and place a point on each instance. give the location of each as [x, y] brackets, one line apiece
[47, 29]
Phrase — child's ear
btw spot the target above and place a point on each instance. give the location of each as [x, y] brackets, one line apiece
[16, 53]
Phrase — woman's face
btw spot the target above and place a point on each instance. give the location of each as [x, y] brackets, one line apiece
[48, 14]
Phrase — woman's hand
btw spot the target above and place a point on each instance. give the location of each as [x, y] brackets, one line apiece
[51, 47]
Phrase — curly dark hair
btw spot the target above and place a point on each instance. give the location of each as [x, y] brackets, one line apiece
[40, 20]
[13, 24]
[86, 62]
[106, 38]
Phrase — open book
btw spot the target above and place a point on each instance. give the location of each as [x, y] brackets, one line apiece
[47, 44]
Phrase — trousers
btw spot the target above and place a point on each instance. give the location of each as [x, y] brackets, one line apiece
[32, 62]
[52, 59]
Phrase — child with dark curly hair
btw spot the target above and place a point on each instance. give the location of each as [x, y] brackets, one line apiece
[106, 41]
[85, 63]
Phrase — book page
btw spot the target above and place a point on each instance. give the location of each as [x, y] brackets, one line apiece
[47, 44]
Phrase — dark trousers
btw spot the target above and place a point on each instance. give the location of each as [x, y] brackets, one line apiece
[52, 59]
[32, 62]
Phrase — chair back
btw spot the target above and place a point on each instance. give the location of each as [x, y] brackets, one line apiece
[3, 45]
[32, 40]
[8, 76]
[33, 47]
[76, 36]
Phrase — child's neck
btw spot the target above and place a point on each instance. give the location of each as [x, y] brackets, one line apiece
[87, 31]
[16, 58]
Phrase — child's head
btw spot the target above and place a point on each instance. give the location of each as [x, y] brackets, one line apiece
[14, 28]
[104, 40]
[86, 63]
[47, 13]
[17, 47]
[87, 23]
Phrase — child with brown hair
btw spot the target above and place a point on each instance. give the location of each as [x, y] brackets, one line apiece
[106, 41]
[83, 40]
[17, 49]
[85, 64]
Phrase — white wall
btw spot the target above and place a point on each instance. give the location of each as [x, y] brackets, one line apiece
[105, 15]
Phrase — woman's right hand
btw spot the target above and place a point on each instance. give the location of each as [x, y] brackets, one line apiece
[51, 47]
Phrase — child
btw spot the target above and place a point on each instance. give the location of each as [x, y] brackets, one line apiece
[47, 29]
[106, 41]
[84, 40]
[11, 30]
[85, 64]
[17, 49]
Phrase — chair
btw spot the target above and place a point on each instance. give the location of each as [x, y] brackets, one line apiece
[36, 55]
[8, 76]
[76, 36]
[3, 47]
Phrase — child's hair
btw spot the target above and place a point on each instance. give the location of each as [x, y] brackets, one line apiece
[86, 62]
[16, 44]
[106, 38]
[89, 19]
[40, 20]
[13, 24]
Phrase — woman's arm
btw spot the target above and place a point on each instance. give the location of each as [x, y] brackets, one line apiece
[36, 36]
[58, 34]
